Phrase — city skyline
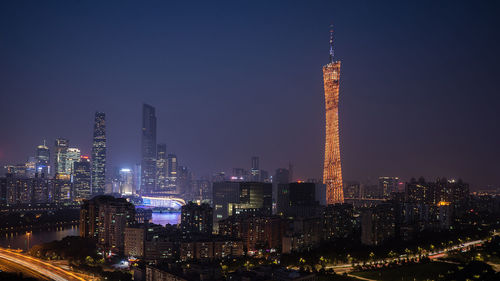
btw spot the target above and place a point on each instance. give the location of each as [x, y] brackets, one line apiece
[383, 132]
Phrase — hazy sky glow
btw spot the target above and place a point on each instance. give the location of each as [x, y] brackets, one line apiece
[419, 82]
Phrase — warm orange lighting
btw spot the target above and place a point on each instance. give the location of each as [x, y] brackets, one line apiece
[332, 173]
[443, 203]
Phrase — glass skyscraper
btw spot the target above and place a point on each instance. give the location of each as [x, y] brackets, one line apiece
[61, 149]
[42, 159]
[99, 154]
[148, 145]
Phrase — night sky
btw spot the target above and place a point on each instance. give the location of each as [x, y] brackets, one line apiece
[229, 80]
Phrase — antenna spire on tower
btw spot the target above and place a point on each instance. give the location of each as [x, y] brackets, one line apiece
[331, 43]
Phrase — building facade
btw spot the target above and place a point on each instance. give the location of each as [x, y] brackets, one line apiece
[98, 173]
[105, 218]
[332, 173]
[148, 148]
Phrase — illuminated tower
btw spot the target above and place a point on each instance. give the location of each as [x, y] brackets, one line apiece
[99, 154]
[332, 172]
[148, 145]
[61, 147]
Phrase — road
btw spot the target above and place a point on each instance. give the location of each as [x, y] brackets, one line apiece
[37, 266]
[341, 268]
[8, 266]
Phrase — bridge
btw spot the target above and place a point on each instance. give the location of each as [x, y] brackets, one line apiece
[163, 202]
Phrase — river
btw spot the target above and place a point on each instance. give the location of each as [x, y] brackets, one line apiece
[20, 240]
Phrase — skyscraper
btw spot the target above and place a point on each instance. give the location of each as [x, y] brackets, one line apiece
[148, 145]
[255, 172]
[161, 167]
[61, 149]
[99, 154]
[172, 172]
[73, 155]
[81, 178]
[332, 173]
[42, 159]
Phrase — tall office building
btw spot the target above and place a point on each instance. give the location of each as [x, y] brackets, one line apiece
[42, 158]
[255, 171]
[161, 167]
[172, 174]
[297, 199]
[126, 181]
[232, 198]
[148, 145]
[61, 150]
[99, 154]
[73, 155]
[332, 173]
[81, 178]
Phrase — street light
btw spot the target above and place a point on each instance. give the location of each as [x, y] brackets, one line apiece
[28, 236]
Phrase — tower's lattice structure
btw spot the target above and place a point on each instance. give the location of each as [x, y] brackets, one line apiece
[332, 172]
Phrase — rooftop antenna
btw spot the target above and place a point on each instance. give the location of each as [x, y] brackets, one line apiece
[331, 43]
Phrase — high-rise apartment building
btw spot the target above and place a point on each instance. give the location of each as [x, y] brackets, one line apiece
[332, 173]
[148, 145]
[196, 219]
[99, 154]
[105, 218]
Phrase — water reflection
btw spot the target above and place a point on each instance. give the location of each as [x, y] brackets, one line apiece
[20, 240]
[166, 218]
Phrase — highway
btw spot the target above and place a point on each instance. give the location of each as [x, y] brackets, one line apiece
[341, 268]
[38, 266]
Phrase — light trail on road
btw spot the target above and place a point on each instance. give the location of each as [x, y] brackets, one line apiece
[44, 268]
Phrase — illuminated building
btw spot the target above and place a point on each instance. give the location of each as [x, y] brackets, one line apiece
[26, 190]
[126, 181]
[339, 221]
[378, 224]
[255, 172]
[161, 167]
[230, 198]
[352, 190]
[61, 149]
[31, 167]
[388, 185]
[99, 154]
[196, 219]
[81, 178]
[18, 171]
[332, 173]
[239, 174]
[148, 145]
[257, 232]
[73, 155]
[105, 218]
[42, 158]
[172, 172]
[297, 199]
[63, 189]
